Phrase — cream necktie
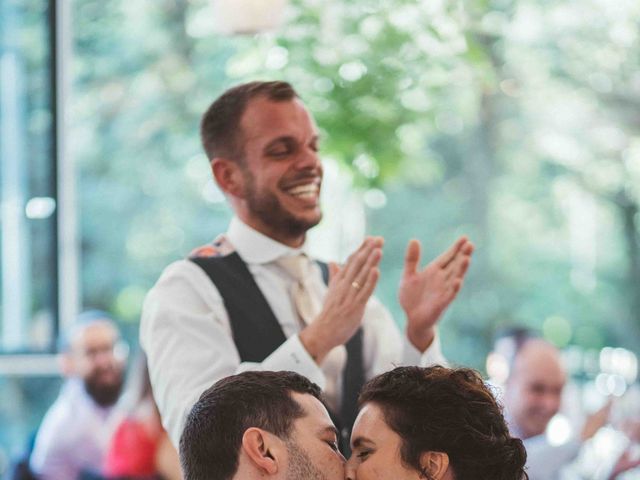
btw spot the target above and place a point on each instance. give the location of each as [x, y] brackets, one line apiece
[306, 298]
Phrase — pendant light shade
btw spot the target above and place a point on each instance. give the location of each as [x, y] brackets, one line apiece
[248, 16]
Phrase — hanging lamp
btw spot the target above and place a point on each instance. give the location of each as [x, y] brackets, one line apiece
[248, 16]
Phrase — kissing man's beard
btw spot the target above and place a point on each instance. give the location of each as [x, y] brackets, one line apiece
[300, 465]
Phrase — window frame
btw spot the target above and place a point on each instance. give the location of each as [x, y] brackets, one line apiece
[64, 244]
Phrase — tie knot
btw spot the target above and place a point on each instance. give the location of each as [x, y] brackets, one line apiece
[296, 265]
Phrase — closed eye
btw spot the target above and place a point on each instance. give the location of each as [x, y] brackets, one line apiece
[332, 444]
[279, 152]
[281, 147]
[364, 454]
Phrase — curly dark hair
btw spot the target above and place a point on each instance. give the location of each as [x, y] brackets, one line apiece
[212, 436]
[220, 131]
[439, 409]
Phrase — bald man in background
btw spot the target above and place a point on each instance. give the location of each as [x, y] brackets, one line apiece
[533, 395]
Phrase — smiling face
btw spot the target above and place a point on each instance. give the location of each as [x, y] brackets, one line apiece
[281, 171]
[313, 444]
[376, 449]
[534, 388]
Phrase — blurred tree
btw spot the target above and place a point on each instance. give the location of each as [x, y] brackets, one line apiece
[486, 117]
[579, 82]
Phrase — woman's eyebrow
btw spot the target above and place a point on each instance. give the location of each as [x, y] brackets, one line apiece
[360, 440]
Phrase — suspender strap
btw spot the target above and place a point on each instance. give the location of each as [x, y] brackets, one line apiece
[256, 331]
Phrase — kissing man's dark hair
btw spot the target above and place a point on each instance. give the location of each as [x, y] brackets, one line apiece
[220, 130]
[439, 409]
[212, 436]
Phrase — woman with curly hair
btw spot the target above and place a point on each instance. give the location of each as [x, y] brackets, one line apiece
[432, 423]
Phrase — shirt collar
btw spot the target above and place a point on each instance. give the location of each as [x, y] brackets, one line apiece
[255, 247]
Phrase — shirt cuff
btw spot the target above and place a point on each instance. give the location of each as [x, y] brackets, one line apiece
[431, 356]
[292, 355]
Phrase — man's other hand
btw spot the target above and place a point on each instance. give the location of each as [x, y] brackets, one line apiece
[425, 294]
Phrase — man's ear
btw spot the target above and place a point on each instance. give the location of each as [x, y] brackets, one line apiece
[435, 464]
[228, 176]
[266, 451]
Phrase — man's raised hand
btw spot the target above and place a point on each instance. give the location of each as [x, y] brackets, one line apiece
[425, 293]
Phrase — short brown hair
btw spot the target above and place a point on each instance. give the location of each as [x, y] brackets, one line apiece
[439, 409]
[212, 436]
[220, 126]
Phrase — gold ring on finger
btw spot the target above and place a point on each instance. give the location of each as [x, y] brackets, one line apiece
[355, 285]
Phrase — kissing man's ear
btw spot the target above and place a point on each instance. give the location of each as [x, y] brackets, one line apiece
[264, 450]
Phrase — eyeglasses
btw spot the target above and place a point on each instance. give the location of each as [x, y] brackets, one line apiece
[119, 350]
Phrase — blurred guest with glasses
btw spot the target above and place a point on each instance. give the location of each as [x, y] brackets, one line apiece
[76, 431]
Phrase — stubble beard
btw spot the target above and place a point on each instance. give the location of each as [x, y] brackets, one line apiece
[300, 465]
[267, 207]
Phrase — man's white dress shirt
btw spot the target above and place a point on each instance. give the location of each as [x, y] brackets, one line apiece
[74, 435]
[186, 333]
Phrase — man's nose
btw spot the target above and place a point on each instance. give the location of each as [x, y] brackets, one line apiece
[308, 159]
[105, 358]
[552, 403]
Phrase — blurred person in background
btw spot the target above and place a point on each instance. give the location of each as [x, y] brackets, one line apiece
[75, 433]
[432, 423]
[259, 426]
[255, 299]
[533, 396]
[140, 447]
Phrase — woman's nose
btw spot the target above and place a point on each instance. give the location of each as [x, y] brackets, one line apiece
[350, 469]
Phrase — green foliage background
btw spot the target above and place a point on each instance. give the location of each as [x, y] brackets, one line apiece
[510, 121]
